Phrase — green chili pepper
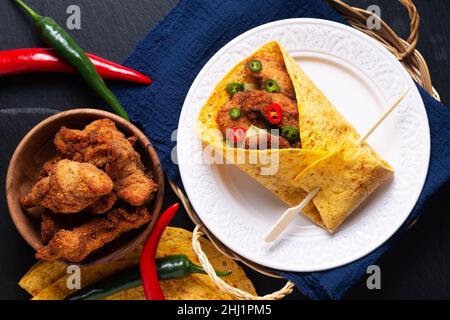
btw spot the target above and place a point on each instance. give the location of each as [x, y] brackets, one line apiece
[170, 267]
[55, 36]
[271, 86]
[291, 134]
[179, 266]
[123, 280]
[255, 65]
[235, 87]
[235, 113]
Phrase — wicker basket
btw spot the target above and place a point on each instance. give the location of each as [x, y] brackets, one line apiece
[409, 57]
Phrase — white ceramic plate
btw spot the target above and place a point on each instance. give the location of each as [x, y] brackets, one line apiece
[361, 78]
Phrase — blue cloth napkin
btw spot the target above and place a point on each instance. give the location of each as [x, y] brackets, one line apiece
[175, 51]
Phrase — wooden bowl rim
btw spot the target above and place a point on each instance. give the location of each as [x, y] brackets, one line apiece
[17, 213]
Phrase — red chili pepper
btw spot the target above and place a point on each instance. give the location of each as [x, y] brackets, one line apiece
[274, 114]
[29, 60]
[149, 273]
[236, 134]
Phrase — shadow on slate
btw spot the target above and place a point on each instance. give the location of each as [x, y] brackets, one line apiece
[17, 256]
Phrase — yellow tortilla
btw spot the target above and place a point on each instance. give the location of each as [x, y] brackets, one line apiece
[195, 286]
[47, 280]
[345, 177]
[58, 290]
[42, 275]
[328, 147]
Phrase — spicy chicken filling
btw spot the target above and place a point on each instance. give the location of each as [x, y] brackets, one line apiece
[262, 114]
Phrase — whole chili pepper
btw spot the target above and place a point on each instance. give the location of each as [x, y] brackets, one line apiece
[149, 272]
[169, 267]
[55, 36]
[29, 60]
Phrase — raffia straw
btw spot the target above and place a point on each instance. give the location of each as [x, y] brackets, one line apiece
[404, 50]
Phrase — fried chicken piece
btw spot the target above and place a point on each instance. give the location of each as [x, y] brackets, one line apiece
[272, 69]
[101, 144]
[75, 245]
[37, 194]
[49, 166]
[88, 145]
[70, 187]
[252, 105]
[126, 169]
[136, 189]
[49, 227]
[104, 204]
[52, 222]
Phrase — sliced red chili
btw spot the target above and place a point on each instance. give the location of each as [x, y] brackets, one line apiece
[274, 113]
[236, 134]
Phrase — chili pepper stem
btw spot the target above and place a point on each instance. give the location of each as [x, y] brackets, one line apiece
[33, 14]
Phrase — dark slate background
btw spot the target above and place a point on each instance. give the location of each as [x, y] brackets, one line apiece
[418, 267]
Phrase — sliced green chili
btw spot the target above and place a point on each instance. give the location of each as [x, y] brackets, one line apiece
[271, 86]
[255, 65]
[291, 134]
[235, 113]
[234, 87]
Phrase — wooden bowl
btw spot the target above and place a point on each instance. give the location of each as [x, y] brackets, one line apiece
[37, 147]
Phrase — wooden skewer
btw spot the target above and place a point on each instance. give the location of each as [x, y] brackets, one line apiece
[287, 217]
[384, 116]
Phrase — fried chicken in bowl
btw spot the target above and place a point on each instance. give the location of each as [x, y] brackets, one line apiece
[84, 169]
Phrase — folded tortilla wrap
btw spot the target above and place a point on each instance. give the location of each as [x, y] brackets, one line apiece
[330, 156]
